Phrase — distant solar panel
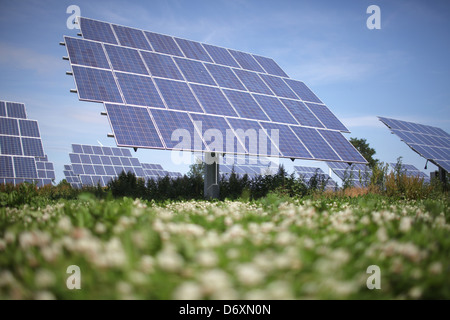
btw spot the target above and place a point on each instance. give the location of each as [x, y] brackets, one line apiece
[22, 153]
[95, 164]
[156, 171]
[225, 88]
[432, 143]
[410, 171]
[356, 175]
[319, 177]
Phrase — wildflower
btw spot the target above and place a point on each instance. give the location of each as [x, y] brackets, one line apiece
[188, 290]
[44, 295]
[248, 274]
[64, 224]
[146, 264]
[169, 260]
[435, 268]
[44, 278]
[2, 244]
[206, 259]
[214, 280]
[405, 224]
[382, 234]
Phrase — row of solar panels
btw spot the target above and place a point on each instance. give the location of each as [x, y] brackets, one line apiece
[93, 165]
[22, 157]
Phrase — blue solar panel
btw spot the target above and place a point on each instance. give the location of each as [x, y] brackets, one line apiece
[86, 180]
[6, 167]
[302, 91]
[133, 126]
[253, 82]
[139, 90]
[314, 142]
[221, 56]
[164, 44]
[29, 128]
[178, 96]
[289, 145]
[225, 77]
[86, 53]
[278, 86]
[32, 147]
[117, 152]
[116, 161]
[430, 142]
[341, 146]
[252, 136]
[274, 109]
[85, 159]
[95, 159]
[125, 161]
[25, 167]
[194, 71]
[77, 169]
[77, 148]
[173, 85]
[214, 132]
[88, 169]
[131, 37]
[246, 61]
[270, 66]
[9, 126]
[96, 85]
[87, 149]
[213, 100]
[177, 130]
[245, 105]
[161, 66]
[126, 152]
[109, 170]
[2, 109]
[10, 145]
[301, 112]
[16, 110]
[125, 59]
[326, 117]
[193, 50]
[97, 30]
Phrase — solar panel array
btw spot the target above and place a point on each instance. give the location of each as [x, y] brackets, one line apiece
[410, 171]
[356, 175]
[22, 157]
[71, 177]
[93, 165]
[432, 143]
[308, 173]
[98, 165]
[152, 84]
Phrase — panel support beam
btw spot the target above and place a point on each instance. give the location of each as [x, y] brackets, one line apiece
[211, 176]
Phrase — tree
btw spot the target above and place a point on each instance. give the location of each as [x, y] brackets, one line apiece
[367, 152]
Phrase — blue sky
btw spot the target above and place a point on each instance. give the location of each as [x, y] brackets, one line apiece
[401, 71]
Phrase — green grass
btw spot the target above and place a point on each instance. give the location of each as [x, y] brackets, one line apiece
[272, 248]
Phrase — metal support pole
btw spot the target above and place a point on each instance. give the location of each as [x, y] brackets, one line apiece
[211, 188]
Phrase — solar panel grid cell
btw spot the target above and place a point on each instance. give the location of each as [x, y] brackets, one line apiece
[125, 59]
[97, 30]
[9, 126]
[131, 37]
[274, 109]
[139, 90]
[246, 61]
[193, 50]
[225, 77]
[253, 82]
[213, 100]
[16, 110]
[164, 44]
[221, 56]
[86, 53]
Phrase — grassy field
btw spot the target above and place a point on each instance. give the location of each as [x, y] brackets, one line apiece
[272, 248]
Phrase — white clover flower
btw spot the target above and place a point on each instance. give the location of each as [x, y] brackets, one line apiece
[188, 290]
[249, 275]
[405, 224]
[9, 237]
[284, 238]
[6, 278]
[382, 234]
[169, 260]
[206, 259]
[365, 220]
[44, 295]
[44, 278]
[214, 280]
[146, 264]
[64, 224]
[280, 290]
[2, 244]
[435, 268]
[415, 293]
[257, 294]
[233, 253]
